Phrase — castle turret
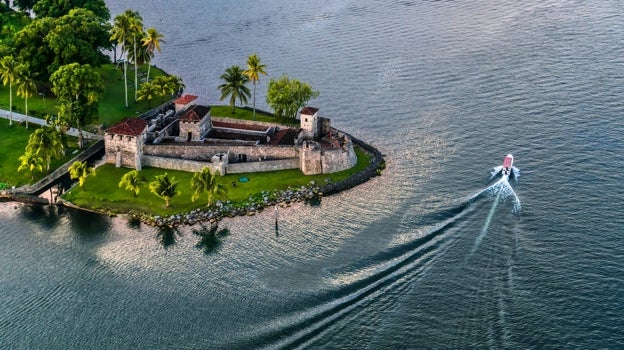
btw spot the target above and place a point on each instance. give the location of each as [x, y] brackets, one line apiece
[309, 119]
[123, 143]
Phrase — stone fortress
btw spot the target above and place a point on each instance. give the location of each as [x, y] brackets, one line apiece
[186, 137]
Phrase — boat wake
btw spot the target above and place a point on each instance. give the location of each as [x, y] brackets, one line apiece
[347, 289]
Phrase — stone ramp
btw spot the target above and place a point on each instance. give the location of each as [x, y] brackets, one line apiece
[54, 177]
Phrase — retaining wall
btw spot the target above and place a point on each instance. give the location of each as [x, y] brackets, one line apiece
[204, 152]
[269, 165]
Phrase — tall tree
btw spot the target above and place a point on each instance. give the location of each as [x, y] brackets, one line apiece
[46, 143]
[26, 87]
[123, 30]
[136, 25]
[31, 47]
[151, 43]
[205, 181]
[80, 171]
[48, 43]
[164, 188]
[8, 72]
[59, 8]
[234, 86]
[131, 181]
[25, 5]
[78, 37]
[286, 96]
[253, 71]
[78, 89]
[32, 162]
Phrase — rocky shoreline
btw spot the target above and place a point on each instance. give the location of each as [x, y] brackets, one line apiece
[312, 193]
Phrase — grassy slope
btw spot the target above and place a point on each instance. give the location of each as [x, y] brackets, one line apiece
[102, 191]
[13, 140]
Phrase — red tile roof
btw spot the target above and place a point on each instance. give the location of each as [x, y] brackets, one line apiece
[195, 113]
[129, 127]
[186, 99]
[309, 110]
[284, 137]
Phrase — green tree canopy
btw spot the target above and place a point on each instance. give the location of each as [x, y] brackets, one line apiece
[205, 181]
[234, 86]
[164, 188]
[148, 91]
[59, 8]
[167, 85]
[25, 5]
[48, 43]
[46, 143]
[31, 162]
[131, 181]
[78, 89]
[80, 171]
[286, 96]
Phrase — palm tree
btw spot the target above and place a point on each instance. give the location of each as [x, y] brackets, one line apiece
[205, 181]
[163, 86]
[164, 188]
[151, 42]
[254, 69]
[26, 87]
[124, 28]
[31, 162]
[136, 25]
[8, 72]
[234, 86]
[131, 181]
[148, 91]
[80, 171]
[176, 83]
[46, 143]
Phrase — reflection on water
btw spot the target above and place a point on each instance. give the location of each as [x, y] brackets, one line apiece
[89, 226]
[47, 216]
[168, 236]
[210, 237]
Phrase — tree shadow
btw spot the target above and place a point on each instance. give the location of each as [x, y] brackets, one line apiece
[167, 236]
[45, 215]
[210, 238]
[87, 225]
[134, 222]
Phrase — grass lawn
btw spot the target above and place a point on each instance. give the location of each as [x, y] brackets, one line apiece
[13, 141]
[112, 107]
[247, 114]
[102, 191]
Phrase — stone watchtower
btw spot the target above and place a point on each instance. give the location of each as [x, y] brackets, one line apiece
[123, 143]
[309, 120]
[194, 123]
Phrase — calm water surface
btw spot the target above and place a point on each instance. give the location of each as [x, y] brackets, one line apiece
[408, 260]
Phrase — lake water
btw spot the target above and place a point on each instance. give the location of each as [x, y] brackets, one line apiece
[445, 89]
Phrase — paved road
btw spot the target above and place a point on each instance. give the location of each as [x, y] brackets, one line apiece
[17, 117]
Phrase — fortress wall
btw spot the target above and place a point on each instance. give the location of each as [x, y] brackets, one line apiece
[205, 152]
[180, 164]
[338, 160]
[246, 122]
[269, 165]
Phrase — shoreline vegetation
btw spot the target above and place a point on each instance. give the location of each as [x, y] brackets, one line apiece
[245, 194]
